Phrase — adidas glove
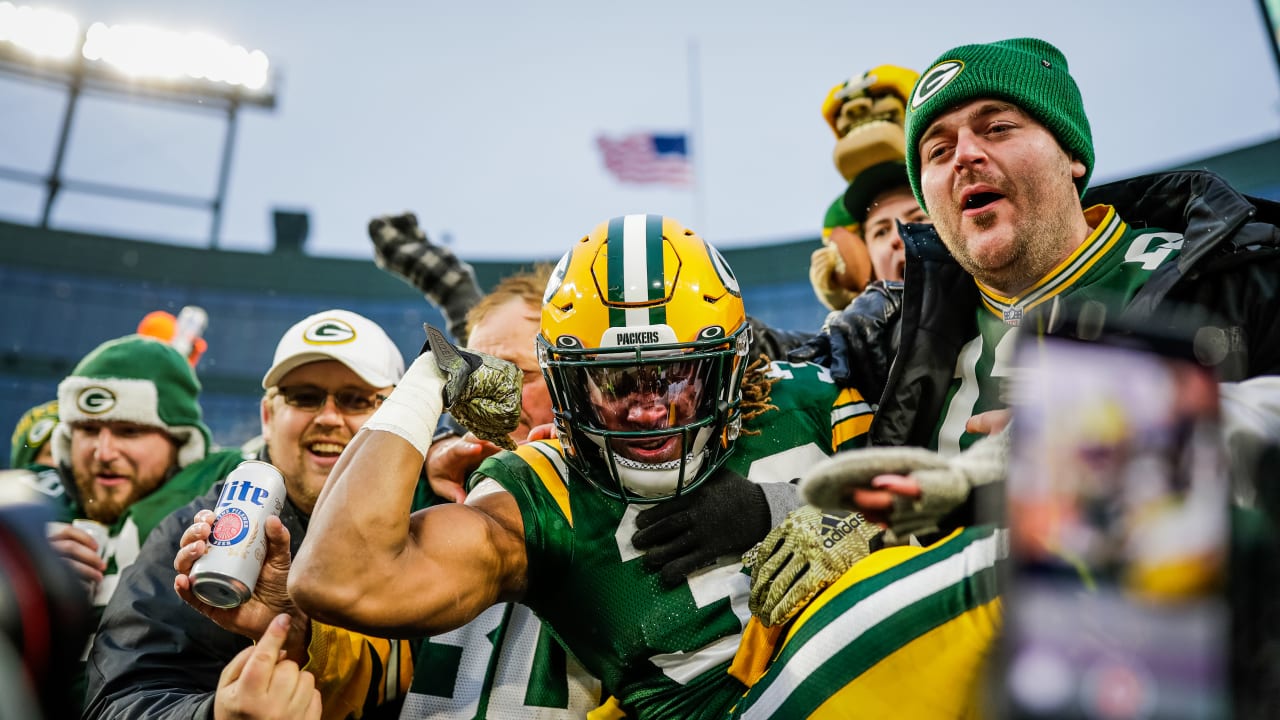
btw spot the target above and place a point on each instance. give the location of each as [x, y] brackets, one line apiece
[482, 392]
[810, 550]
[401, 248]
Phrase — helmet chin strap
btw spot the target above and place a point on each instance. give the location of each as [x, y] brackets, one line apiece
[657, 480]
[662, 479]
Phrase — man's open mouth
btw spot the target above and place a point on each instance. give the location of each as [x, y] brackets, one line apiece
[325, 449]
[980, 200]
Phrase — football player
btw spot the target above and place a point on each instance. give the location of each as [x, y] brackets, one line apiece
[644, 342]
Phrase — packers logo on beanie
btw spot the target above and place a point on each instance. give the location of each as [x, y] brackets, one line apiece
[134, 379]
[1027, 72]
[33, 431]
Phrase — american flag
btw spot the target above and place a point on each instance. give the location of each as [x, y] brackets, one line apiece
[648, 158]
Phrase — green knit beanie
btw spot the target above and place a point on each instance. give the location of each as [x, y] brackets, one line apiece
[32, 433]
[135, 379]
[1027, 72]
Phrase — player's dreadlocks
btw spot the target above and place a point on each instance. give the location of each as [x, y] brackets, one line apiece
[756, 387]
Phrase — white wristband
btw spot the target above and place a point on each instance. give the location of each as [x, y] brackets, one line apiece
[413, 408]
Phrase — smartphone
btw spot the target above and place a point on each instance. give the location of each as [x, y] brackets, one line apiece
[1117, 508]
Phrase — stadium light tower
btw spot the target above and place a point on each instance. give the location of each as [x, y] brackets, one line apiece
[193, 69]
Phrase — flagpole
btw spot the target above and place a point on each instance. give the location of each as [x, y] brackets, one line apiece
[696, 155]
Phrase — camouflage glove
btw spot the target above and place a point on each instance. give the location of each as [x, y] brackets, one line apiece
[810, 550]
[482, 392]
[945, 483]
[401, 248]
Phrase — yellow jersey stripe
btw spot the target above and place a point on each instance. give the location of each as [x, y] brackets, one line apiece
[867, 614]
[850, 417]
[953, 654]
[1109, 228]
[544, 458]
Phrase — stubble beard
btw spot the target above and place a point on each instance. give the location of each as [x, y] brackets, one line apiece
[105, 507]
[1027, 257]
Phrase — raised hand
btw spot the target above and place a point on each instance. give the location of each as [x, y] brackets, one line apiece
[482, 392]
[401, 248]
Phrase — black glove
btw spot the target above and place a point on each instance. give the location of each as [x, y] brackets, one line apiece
[859, 343]
[401, 248]
[773, 342]
[725, 515]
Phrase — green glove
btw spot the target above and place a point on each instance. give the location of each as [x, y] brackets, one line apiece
[810, 550]
[482, 392]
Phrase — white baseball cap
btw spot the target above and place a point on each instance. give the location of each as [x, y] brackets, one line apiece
[351, 339]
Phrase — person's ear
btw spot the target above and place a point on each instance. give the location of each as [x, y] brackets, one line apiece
[265, 414]
[1078, 169]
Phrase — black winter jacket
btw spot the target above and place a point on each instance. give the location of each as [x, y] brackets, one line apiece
[154, 655]
[1227, 276]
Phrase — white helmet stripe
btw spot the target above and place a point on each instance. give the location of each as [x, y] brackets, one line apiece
[635, 267]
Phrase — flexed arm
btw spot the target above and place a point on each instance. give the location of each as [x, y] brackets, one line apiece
[367, 563]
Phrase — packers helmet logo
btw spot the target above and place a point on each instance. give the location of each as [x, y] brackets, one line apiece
[557, 278]
[95, 400]
[40, 430]
[726, 275]
[329, 332]
[938, 77]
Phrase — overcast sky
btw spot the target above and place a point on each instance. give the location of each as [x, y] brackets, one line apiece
[482, 116]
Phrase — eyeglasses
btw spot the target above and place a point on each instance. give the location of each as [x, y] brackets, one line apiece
[312, 398]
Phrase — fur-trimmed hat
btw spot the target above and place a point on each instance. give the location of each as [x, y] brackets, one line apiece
[134, 379]
[32, 433]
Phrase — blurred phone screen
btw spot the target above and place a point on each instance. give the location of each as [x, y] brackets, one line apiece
[1117, 511]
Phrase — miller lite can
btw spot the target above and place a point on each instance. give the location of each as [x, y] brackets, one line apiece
[226, 575]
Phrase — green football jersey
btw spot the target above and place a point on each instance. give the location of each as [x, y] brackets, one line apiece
[1099, 278]
[662, 652]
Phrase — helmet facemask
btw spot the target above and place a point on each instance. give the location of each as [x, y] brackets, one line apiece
[654, 421]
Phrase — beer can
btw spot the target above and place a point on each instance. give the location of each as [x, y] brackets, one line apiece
[227, 573]
[97, 531]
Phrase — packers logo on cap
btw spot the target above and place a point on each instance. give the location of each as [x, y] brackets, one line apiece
[95, 400]
[936, 78]
[329, 332]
